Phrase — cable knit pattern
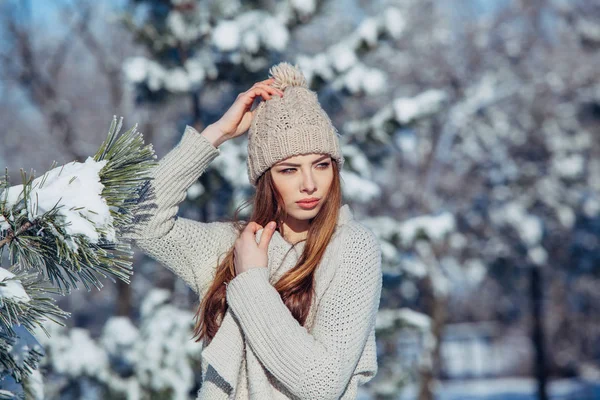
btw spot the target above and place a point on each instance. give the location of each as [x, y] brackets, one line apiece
[291, 125]
[260, 351]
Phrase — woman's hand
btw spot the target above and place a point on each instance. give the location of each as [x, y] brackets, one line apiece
[246, 253]
[238, 117]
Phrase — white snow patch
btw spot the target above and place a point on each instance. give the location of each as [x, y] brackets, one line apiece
[426, 103]
[12, 289]
[390, 318]
[226, 35]
[304, 7]
[80, 200]
[358, 188]
[436, 227]
[395, 23]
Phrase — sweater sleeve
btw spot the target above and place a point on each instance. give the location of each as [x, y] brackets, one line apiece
[188, 248]
[317, 365]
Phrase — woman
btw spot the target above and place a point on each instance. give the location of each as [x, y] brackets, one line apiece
[288, 299]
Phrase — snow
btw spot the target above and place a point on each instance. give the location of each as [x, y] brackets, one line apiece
[357, 159]
[177, 80]
[475, 270]
[118, 332]
[407, 143]
[184, 31]
[436, 227]
[458, 241]
[196, 72]
[251, 42]
[165, 346]
[394, 21]
[342, 57]
[36, 385]
[154, 298]
[566, 216]
[231, 163]
[358, 188]
[591, 207]
[195, 191]
[505, 388]
[368, 31]
[12, 289]
[538, 255]
[413, 266]
[80, 200]
[230, 35]
[529, 227]
[570, 167]
[135, 69]
[304, 7]
[159, 356]
[390, 318]
[589, 29]
[427, 103]
[76, 354]
[274, 34]
[362, 79]
[226, 35]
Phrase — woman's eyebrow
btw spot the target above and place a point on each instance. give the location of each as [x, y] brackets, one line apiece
[297, 165]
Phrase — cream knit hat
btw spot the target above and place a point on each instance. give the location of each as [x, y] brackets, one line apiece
[291, 125]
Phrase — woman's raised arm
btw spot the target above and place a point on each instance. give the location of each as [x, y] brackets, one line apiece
[188, 248]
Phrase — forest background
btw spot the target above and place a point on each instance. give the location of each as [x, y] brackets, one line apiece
[471, 130]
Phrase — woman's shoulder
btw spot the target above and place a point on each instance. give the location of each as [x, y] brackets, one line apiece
[359, 235]
[360, 251]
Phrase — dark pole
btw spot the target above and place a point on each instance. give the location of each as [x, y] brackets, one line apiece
[536, 291]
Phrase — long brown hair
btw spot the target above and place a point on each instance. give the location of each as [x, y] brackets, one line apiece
[296, 286]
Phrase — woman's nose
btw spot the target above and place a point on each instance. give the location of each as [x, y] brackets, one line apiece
[308, 182]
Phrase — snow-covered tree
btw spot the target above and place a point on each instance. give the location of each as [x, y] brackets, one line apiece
[153, 359]
[61, 229]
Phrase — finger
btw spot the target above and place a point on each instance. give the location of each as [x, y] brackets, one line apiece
[247, 98]
[263, 93]
[256, 91]
[251, 228]
[267, 81]
[270, 89]
[266, 235]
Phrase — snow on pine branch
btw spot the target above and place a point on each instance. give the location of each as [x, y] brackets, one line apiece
[340, 63]
[75, 189]
[11, 288]
[65, 227]
[391, 319]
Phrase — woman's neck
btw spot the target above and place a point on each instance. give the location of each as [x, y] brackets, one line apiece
[294, 232]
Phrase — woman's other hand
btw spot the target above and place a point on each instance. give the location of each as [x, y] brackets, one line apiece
[247, 253]
[238, 117]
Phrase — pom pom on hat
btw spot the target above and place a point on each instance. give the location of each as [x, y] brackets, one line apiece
[286, 75]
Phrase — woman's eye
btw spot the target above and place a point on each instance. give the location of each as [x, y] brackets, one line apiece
[323, 165]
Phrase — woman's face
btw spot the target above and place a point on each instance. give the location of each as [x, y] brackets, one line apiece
[303, 177]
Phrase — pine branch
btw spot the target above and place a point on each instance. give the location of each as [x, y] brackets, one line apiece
[55, 242]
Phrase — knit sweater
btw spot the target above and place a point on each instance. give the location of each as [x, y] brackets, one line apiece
[260, 350]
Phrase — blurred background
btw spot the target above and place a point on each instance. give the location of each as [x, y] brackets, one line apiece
[471, 136]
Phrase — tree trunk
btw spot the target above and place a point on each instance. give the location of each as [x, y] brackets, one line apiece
[428, 373]
[537, 333]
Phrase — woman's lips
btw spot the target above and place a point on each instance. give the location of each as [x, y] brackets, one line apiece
[308, 206]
